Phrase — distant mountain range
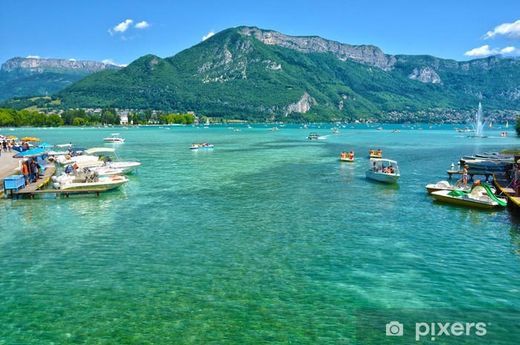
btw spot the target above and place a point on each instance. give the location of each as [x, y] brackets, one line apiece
[251, 73]
[21, 77]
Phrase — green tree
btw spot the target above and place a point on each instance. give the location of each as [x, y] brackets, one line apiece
[54, 120]
[109, 116]
[517, 126]
[6, 119]
[79, 121]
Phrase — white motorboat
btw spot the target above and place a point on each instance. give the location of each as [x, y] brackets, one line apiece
[114, 138]
[83, 161]
[126, 167]
[99, 150]
[383, 170]
[106, 171]
[201, 146]
[90, 182]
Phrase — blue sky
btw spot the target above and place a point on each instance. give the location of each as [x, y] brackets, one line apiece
[87, 29]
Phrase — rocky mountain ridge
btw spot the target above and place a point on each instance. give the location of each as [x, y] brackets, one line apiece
[40, 65]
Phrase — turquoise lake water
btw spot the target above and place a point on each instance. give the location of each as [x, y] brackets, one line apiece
[265, 239]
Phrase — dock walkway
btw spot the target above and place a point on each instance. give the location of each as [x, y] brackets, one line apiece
[471, 174]
[33, 188]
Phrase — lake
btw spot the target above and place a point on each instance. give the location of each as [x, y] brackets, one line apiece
[266, 238]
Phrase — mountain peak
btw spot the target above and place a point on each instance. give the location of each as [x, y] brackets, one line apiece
[365, 54]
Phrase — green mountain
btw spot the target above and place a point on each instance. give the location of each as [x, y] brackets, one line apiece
[21, 77]
[252, 73]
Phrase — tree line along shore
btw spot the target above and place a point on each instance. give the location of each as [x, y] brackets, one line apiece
[79, 117]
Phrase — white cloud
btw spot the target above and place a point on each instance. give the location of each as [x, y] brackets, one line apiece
[72, 59]
[506, 29]
[508, 50]
[111, 62]
[32, 57]
[485, 50]
[121, 27]
[142, 25]
[208, 35]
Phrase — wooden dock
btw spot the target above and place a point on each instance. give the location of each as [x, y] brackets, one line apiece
[33, 188]
[471, 174]
[36, 188]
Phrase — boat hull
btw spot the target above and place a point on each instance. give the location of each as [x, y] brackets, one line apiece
[126, 167]
[346, 160]
[443, 196]
[94, 186]
[382, 177]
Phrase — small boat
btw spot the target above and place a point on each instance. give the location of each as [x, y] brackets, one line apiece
[313, 136]
[126, 167]
[90, 182]
[375, 153]
[335, 130]
[445, 185]
[383, 170]
[106, 171]
[114, 138]
[480, 196]
[347, 157]
[203, 146]
[83, 161]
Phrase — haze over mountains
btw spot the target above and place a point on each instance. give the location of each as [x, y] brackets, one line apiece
[247, 72]
[34, 76]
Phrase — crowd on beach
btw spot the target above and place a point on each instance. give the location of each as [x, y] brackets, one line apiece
[6, 145]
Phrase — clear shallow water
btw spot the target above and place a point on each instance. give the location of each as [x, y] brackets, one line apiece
[267, 238]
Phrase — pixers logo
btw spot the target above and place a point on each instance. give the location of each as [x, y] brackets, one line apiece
[435, 330]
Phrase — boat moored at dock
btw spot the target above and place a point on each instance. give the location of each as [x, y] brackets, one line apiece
[90, 182]
[480, 196]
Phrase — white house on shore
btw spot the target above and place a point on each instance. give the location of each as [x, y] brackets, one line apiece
[123, 119]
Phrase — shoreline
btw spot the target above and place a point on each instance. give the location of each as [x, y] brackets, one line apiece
[8, 166]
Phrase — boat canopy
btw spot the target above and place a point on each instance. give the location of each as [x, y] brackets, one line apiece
[31, 153]
[96, 150]
[383, 160]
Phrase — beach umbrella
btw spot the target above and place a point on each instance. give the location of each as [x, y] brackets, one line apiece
[30, 139]
[31, 153]
[12, 137]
